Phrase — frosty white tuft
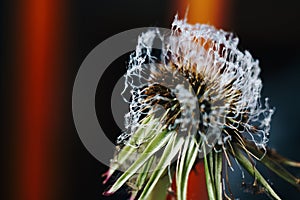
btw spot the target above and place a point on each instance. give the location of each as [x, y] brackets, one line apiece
[225, 81]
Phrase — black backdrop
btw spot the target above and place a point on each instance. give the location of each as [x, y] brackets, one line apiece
[268, 29]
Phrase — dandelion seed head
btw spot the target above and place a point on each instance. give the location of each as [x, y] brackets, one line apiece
[203, 61]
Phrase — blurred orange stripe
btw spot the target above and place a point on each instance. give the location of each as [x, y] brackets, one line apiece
[39, 59]
[213, 12]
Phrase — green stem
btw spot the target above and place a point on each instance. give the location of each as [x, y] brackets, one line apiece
[242, 159]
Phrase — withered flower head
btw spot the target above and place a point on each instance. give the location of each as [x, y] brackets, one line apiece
[198, 97]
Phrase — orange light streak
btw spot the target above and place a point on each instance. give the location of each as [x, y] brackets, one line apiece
[38, 61]
[213, 12]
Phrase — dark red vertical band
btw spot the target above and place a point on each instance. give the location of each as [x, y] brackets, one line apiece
[39, 82]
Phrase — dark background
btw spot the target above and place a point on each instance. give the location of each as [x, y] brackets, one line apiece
[268, 29]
